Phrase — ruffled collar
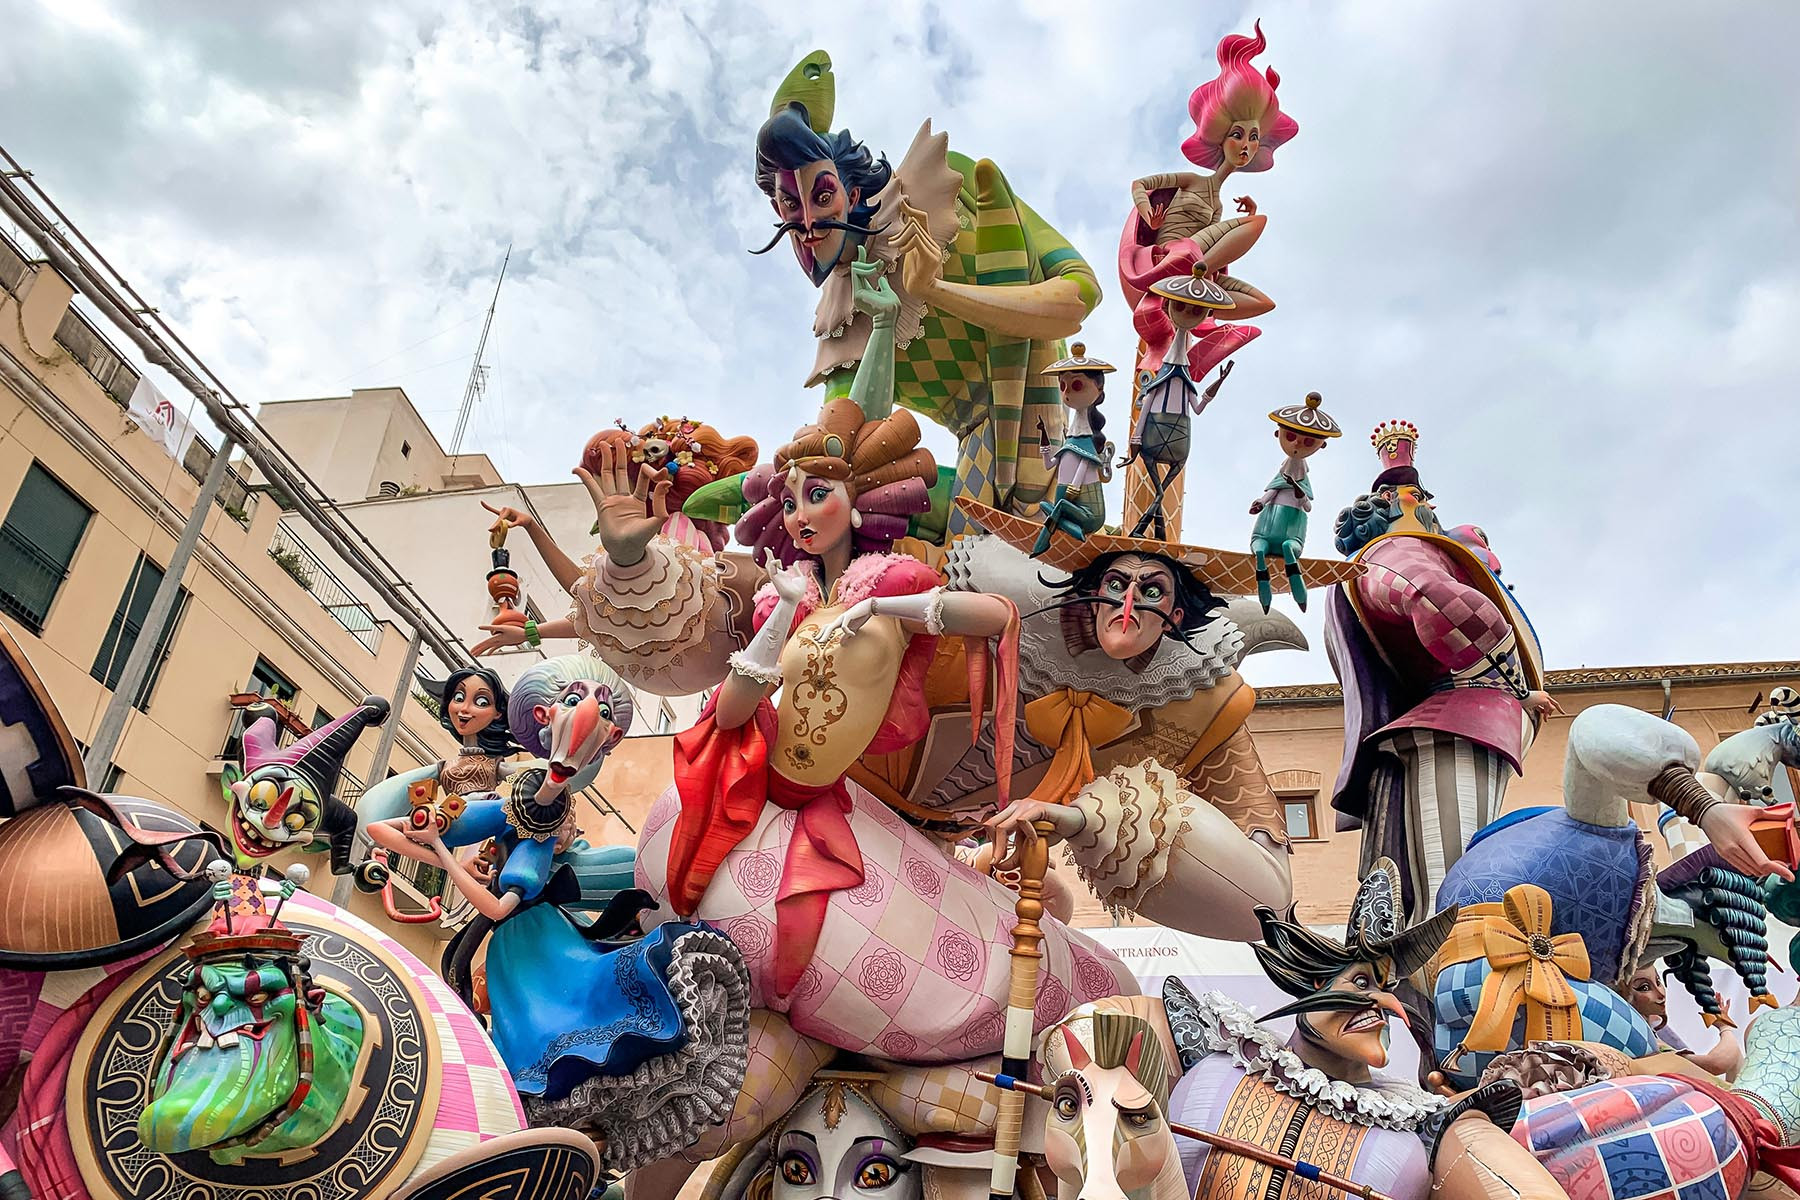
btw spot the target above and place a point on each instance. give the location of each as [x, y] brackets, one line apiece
[925, 183]
[1213, 1023]
[1175, 672]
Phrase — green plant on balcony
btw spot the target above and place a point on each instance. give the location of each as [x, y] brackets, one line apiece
[429, 703]
[291, 562]
[237, 514]
[412, 489]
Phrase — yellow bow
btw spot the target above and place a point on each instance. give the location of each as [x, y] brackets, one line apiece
[1074, 723]
[1527, 967]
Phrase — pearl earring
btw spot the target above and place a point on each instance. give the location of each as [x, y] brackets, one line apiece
[855, 518]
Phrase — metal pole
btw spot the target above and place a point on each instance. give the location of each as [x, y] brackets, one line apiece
[384, 747]
[162, 607]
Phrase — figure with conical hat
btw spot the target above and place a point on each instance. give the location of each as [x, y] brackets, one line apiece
[1442, 674]
[1280, 512]
[1082, 460]
[285, 797]
[1162, 434]
[987, 288]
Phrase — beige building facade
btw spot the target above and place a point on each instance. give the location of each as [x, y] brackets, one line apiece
[93, 506]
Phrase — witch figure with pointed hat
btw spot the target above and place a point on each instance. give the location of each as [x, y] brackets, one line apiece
[285, 797]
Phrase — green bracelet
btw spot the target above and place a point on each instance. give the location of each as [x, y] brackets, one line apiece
[531, 633]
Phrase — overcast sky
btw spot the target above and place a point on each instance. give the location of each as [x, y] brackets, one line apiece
[1561, 238]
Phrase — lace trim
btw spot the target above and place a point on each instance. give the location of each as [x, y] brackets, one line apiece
[749, 668]
[1226, 1027]
[934, 611]
[1124, 849]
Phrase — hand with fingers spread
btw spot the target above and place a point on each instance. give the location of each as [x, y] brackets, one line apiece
[620, 505]
[1017, 823]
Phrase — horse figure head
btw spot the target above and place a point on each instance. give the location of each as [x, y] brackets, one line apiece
[1110, 1066]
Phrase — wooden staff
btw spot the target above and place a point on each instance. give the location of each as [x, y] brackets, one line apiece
[1021, 1007]
[1218, 1141]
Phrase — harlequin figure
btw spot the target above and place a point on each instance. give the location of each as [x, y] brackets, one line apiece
[1280, 512]
[987, 287]
[1442, 677]
[1161, 435]
[1082, 461]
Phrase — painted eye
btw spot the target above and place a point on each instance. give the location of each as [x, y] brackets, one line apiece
[605, 713]
[484, 702]
[823, 198]
[877, 1173]
[819, 495]
[796, 1171]
[1066, 1107]
[1116, 586]
[1141, 1119]
[259, 999]
[1153, 591]
[788, 506]
[203, 996]
[295, 821]
[571, 700]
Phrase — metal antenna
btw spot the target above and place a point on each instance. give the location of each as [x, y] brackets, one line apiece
[478, 373]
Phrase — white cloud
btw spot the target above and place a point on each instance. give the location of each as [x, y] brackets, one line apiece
[1562, 243]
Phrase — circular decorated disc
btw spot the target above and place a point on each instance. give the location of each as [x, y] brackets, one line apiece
[392, 1104]
[532, 1164]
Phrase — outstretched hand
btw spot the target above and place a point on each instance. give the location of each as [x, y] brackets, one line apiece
[500, 637]
[789, 582]
[508, 518]
[620, 504]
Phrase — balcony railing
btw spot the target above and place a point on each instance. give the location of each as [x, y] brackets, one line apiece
[91, 349]
[235, 496]
[28, 579]
[294, 557]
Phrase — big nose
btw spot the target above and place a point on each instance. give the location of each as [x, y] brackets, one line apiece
[1130, 603]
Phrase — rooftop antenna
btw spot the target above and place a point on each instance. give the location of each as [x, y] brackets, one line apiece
[478, 374]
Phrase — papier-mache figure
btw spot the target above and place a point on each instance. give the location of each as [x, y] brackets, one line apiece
[1442, 674]
[1134, 1085]
[1280, 512]
[986, 287]
[1082, 460]
[1178, 221]
[285, 797]
[1162, 433]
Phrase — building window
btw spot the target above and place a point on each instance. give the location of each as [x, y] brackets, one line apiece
[267, 682]
[127, 622]
[1298, 811]
[321, 718]
[37, 544]
[115, 775]
[664, 717]
[405, 449]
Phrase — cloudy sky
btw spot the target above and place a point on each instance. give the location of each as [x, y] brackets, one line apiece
[1560, 238]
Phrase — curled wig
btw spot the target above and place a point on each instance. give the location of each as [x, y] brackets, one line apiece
[1240, 93]
[1366, 519]
[543, 683]
[787, 142]
[888, 473]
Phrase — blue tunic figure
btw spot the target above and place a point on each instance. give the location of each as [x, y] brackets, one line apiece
[1082, 461]
[1281, 510]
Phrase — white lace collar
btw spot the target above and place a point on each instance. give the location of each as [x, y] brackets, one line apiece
[1221, 1025]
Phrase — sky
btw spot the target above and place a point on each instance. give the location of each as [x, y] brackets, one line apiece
[1561, 239]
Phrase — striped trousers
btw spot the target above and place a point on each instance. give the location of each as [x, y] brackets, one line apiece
[1429, 795]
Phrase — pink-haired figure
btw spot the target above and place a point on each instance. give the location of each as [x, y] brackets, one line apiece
[1178, 218]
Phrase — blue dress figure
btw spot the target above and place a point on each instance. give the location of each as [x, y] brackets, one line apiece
[571, 996]
[1082, 461]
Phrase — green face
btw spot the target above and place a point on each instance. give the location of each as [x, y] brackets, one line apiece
[274, 808]
[234, 1062]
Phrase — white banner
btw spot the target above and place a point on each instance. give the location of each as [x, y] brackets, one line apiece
[156, 415]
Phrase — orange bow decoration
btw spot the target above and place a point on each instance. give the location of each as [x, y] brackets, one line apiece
[1074, 723]
[1527, 967]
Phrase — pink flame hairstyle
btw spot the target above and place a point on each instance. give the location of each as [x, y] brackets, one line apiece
[1240, 93]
